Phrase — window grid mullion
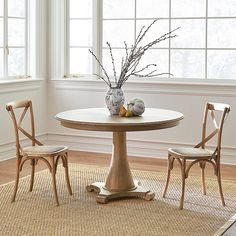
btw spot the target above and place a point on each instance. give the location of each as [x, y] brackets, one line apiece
[206, 38]
[169, 49]
[98, 34]
[16, 17]
[175, 18]
[26, 37]
[67, 61]
[82, 18]
[5, 40]
[135, 19]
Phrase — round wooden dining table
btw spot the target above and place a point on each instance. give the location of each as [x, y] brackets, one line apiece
[119, 182]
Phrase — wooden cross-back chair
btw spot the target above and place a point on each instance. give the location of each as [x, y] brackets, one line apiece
[199, 153]
[37, 151]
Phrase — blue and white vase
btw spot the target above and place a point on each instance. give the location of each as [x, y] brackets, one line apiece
[114, 99]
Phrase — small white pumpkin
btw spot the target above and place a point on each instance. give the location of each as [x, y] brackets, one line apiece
[136, 106]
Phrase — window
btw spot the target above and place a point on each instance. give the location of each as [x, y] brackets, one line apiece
[80, 36]
[204, 49]
[15, 38]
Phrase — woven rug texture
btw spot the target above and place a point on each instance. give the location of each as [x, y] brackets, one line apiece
[35, 213]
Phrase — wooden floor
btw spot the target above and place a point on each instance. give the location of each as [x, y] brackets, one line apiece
[7, 168]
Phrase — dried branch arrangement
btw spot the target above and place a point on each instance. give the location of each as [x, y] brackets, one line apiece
[131, 60]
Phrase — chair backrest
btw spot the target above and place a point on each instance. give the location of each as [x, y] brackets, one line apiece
[25, 106]
[212, 108]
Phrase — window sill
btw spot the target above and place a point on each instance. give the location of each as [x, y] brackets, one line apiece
[163, 81]
[19, 85]
[137, 86]
[16, 81]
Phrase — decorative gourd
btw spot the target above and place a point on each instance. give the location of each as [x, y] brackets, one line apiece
[125, 113]
[122, 111]
[128, 114]
[136, 106]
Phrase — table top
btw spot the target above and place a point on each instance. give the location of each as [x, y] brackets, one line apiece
[99, 119]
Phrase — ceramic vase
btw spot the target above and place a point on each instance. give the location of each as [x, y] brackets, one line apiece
[114, 99]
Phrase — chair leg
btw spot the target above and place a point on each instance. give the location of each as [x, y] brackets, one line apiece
[54, 181]
[65, 165]
[220, 187]
[169, 168]
[56, 163]
[202, 166]
[32, 162]
[16, 182]
[183, 167]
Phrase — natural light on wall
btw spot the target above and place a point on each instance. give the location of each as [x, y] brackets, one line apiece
[204, 49]
[17, 26]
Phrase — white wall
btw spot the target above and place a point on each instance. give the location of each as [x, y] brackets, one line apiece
[32, 90]
[186, 98]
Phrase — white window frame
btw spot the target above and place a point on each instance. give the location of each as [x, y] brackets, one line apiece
[95, 26]
[29, 5]
[98, 47]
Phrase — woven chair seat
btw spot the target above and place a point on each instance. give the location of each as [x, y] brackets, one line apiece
[44, 150]
[191, 153]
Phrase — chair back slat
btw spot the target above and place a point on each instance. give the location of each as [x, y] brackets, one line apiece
[209, 137]
[211, 108]
[29, 136]
[214, 119]
[27, 105]
[19, 104]
[218, 106]
[22, 116]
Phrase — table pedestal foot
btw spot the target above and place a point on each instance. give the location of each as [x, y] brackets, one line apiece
[104, 194]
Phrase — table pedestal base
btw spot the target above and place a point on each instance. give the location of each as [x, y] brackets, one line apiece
[104, 194]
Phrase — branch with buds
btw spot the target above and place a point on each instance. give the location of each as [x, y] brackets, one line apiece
[132, 58]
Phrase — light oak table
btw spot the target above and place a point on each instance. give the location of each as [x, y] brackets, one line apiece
[119, 182]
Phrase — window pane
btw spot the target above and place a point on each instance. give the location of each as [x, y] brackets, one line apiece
[115, 32]
[1, 32]
[16, 32]
[16, 61]
[152, 8]
[160, 57]
[107, 62]
[80, 61]
[1, 7]
[158, 29]
[81, 33]
[152, 56]
[16, 8]
[81, 8]
[188, 63]
[1, 62]
[188, 8]
[222, 33]
[221, 8]
[190, 35]
[118, 9]
[221, 64]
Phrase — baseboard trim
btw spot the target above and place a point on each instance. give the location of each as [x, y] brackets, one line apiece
[97, 144]
[138, 148]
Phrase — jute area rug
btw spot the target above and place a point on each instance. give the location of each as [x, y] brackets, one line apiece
[36, 214]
